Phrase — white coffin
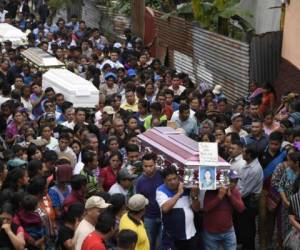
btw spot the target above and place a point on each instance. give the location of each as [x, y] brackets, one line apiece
[41, 59]
[13, 34]
[76, 89]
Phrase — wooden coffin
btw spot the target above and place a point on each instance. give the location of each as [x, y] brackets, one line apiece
[174, 148]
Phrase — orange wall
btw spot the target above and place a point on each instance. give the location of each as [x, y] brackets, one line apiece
[291, 33]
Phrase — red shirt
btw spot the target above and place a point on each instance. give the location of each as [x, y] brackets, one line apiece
[73, 197]
[108, 178]
[218, 213]
[168, 111]
[93, 241]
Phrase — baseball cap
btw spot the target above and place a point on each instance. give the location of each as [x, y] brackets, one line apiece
[96, 202]
[131, 73]
[39, 142]
[48, 117]
[67, 156]
[233, 175]
[124, 174]
[217, 90]
[110, 74]
[236, 115]
[108, 110]
[137, 202]
[117, 45]
[16, 162]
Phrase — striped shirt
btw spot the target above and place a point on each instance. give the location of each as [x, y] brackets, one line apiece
[92, 183]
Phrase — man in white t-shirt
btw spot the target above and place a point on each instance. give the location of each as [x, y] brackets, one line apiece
[176, 85]
[124, 183]
[237, 123]
[94, 206]
[113, 61]
[177, 207]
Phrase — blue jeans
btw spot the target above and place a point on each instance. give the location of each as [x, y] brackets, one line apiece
[153, 229]
[213, 241]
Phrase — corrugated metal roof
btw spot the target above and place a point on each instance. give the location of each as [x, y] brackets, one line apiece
[184, 63]
[175, 34]
[221, 60]
[265, 57]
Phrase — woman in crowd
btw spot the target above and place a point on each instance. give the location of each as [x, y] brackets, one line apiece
[33, 152]
[285, 187]
[16, 180]
[13, 130]
[108, 175]
[268, 98]
[143, 107]
[46, 133]
[76, 147]
[11, 235]
[269, 124]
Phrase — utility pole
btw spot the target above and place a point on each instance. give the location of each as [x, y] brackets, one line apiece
[138, 17]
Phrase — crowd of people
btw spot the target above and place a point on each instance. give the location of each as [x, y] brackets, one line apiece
[72, 178]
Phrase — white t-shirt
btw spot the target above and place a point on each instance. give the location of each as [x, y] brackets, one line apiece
[52, 144]
[237, 163]
[67, 124]
[83, 230]
[242, 132]
[117, 189]
[26, 104]
[186, 219]
[112, 64]
[178, 91]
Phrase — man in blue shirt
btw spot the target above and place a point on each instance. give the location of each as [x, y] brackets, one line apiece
[146, 185]
[256, 137]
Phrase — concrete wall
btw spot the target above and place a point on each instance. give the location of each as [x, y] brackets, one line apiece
[291, 33]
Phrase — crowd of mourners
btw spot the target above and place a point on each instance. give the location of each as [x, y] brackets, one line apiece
[72, 178]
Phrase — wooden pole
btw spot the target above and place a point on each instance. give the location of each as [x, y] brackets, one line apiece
[138, 17]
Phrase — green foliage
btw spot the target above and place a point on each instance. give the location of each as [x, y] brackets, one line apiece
[208, 12]
[184, 10]
[124, 6]
[215, 15]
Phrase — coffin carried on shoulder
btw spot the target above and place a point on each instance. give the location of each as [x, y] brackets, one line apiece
[76, 89]
[176, 149]
[41, 59]
[13, 34]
